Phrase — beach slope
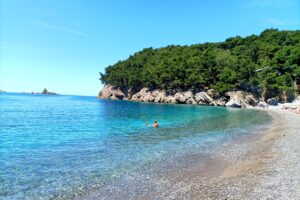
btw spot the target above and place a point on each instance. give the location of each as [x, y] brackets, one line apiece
[264, 166]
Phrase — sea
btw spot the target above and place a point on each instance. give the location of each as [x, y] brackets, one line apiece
[65, 147]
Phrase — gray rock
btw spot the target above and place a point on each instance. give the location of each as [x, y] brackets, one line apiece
[240, 99]
[139, 96]
[147, 95]
[273, 101]
[251, 100]
[113, 97]
[236, 99]
[191, 101]
[184, 97]
[170, 99]
[262, 104]
[221, 101]
[213, 94]
[160, 96]
[111, 92]
[203, 98]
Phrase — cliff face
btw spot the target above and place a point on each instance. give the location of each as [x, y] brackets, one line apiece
[237, 99]
[111, 92]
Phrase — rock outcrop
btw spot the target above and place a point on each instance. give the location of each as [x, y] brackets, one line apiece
[203, 98]
[220, 101]
[240, 99]
[111, 92]
[147, 95]
[162, 96]
[262, 104]
[184, 97]
[236, 99]
[273, 101]
[45, 91]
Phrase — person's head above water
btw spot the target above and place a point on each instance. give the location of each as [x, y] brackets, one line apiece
[155, 124]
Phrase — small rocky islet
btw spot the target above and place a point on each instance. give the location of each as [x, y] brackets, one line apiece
[45, 92]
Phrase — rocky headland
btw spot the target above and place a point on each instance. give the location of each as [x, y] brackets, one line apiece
[236, 99]
[254, 71]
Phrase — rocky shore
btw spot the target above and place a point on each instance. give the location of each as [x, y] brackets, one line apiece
[237, 99]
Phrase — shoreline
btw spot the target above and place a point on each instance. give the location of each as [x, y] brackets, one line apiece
[266, 167]
[270, 172]
[246, 169]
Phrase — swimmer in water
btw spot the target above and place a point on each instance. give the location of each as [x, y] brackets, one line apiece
[155, 124]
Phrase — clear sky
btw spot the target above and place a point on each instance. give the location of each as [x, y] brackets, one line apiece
[61, 45]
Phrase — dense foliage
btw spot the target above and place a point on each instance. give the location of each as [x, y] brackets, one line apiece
[269, 61]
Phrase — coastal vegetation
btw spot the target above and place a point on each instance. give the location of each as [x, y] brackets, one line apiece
[267, 64]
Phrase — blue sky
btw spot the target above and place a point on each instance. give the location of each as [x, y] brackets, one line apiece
[63, 44]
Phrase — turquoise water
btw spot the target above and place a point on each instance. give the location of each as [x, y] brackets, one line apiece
[61, 146]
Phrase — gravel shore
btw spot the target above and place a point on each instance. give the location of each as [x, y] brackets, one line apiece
[265, 169]
[280, 178]
[266, 166]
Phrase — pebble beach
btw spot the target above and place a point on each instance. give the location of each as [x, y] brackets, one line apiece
[264, 166]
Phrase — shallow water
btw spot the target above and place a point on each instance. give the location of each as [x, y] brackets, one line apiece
[64, 146]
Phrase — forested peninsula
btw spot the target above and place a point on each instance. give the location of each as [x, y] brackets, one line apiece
[255, 69]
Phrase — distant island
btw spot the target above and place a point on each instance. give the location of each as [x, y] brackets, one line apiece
[45, 91]
[2, 91]
[254, 70]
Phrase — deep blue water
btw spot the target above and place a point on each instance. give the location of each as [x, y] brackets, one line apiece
[58, 146]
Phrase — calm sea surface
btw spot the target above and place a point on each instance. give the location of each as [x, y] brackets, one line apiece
[62, 146]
